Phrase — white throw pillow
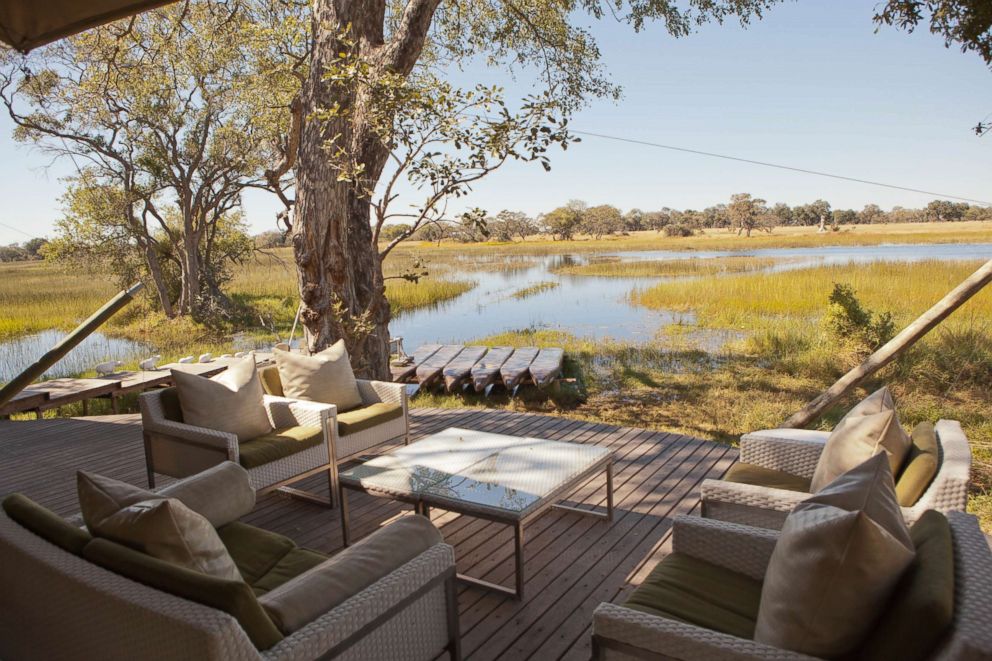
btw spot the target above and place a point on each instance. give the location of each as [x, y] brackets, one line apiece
[837, 560]
[324, 377]
[231, 402]
[869, 428]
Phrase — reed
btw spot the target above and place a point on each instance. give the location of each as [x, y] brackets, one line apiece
[535, 289]
[671, 268]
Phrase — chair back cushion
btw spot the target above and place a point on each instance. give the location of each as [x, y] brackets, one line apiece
[231, 402]
[234, 597]
[869, 428]
[271, 383]
[922, 607]
[838, 559]
[921, 465]
[46, 524]
[323, 377]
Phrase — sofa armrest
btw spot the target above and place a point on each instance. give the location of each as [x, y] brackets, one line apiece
[287, 412]
[628, 632]
[181, 432]
[793, 451]
[748, 504]
[303, 599]
[742, 549]
[382, 391]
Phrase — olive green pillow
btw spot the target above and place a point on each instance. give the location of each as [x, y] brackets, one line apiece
[921, 465]
[232, 401]
[323, 377]
[46, 524]
[234, 597]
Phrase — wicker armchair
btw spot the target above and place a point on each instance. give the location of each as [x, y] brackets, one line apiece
[624, 633]
[796, 452]
[60, 602]
[178, 449]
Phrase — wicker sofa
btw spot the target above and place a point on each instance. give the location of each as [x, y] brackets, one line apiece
[178, 449]
[65, 595]
[742, 553]
[795, 452]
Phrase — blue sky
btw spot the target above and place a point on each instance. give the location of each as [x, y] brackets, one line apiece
[812, 85]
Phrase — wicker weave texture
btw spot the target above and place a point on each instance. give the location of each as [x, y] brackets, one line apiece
[796, 456]
[417, 632]
[757, 506]
[970, 637]
[96, 614]
[741, 549]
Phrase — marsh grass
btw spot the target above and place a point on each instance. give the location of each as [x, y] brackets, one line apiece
[721, 239]
[535, 289]
[617, 268]
[757, 300]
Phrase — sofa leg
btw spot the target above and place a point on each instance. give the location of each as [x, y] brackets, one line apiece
[332, 485]
[454, 631]
[148, 461]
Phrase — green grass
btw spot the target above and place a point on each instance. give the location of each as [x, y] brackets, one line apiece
[758, 300]
[616, 268]
[535, 289]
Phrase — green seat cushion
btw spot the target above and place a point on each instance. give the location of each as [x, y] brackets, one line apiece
[922, 606]
[684, 588]
[278, 444]
[233, 597]
[290, 566]
[271, 383]
[366, 417]
[46, 524]
[766, 477]
[254, 551]
[920, 467]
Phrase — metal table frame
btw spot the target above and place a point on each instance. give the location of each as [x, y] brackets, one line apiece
[422, 504]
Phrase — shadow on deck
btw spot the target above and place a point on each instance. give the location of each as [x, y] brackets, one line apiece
[573, 562]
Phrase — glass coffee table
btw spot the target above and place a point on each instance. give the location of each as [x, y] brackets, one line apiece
[500, 478]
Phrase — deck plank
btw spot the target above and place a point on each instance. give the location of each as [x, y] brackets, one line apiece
[573, 562]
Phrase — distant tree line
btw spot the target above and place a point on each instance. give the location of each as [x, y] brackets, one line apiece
[23, 252]
[744, 214]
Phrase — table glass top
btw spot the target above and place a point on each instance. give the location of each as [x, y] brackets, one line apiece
[494, 471]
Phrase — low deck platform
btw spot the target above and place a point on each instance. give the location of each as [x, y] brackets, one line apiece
[573, 562]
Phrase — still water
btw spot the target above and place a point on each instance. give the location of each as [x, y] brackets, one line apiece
[18, 354]
[597, 307]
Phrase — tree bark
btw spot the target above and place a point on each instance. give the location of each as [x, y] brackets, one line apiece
[339, 269]
[158, 279]
[891, 349]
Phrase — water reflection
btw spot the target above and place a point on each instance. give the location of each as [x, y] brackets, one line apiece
[594, 307]
[18, 354]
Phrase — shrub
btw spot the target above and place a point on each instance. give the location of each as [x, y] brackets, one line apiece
[854, 326]
[678, 229]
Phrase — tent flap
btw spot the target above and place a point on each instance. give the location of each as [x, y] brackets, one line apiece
[27, 24]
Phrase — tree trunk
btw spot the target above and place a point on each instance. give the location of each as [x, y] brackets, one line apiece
[891, 350]
[158, 279]
[339, 269]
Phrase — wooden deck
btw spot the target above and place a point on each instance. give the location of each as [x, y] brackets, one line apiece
[573, 562]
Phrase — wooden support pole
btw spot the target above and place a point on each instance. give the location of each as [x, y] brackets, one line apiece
[891, 349]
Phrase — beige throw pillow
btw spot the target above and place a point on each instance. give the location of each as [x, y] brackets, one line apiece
[837, 560]
[869, 428]
[168, 530]
[230, 402]
[323, 377]
[100, 497]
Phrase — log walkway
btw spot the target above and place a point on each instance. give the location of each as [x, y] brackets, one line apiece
[573, 562]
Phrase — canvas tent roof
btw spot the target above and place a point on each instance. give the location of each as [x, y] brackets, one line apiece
[27, 24]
